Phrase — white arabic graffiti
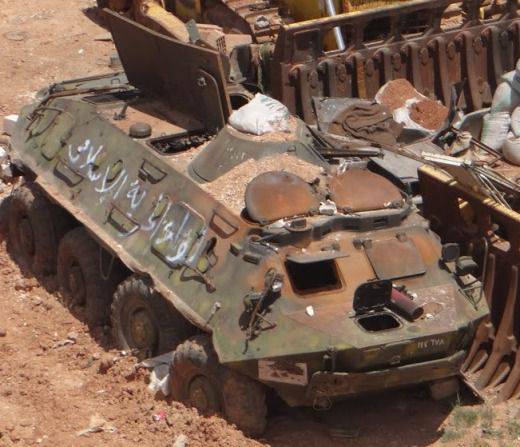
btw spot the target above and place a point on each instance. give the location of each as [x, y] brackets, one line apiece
[174, 235]
[113, 181]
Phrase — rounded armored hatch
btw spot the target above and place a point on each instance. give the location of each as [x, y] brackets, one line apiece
[275, 194]
[361, 190]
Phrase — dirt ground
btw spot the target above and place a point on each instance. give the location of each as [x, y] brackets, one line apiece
[51, 386]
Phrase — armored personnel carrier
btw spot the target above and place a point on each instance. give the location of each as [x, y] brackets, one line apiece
[264, 262]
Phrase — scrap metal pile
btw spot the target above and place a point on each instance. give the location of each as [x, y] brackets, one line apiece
[251, 194]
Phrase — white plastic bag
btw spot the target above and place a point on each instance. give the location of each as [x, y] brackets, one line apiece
[160, 375]
[495, 127]
[260, 116]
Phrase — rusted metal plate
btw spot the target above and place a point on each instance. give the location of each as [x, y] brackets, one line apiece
[340, 384]
[190, 78]
[361, 190]
[276, 194]
[262, 19]
[393, 258]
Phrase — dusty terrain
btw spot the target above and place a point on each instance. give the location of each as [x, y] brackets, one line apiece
[51, 384]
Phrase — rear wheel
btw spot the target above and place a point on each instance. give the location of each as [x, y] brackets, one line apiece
[143, 321]
[33, 229]
[199, 380]
[80, 278]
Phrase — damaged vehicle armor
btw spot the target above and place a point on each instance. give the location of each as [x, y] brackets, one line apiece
[315, 305]
[273, 263]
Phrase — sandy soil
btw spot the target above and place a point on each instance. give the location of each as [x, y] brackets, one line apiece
[50, 380]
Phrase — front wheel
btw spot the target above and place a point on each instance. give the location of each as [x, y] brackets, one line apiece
[199, 380]
[79, 274]
[33, 233]
[143, 321]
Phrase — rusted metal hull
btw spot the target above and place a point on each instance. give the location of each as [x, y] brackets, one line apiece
[492, 366]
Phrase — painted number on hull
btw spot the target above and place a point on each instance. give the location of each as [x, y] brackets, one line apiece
[431, 343]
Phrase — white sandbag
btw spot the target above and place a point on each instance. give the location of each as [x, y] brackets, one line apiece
[507, 95]
[402, 116]
[9, 124]
[260, 116]
[495, 127]
[511, 150]
[515, 122]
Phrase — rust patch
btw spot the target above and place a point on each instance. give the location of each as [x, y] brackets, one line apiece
[361, 190]
[276, 194]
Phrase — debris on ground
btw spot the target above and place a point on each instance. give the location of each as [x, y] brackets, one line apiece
[73, 336]
[70, 340]
[160, 373]
[158, 417]
[16, 36]
[97, 424]
[341, 432]
[181, 441]
[105, 363]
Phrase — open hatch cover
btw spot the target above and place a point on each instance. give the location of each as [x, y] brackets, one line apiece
[274, 195]
[359, 190]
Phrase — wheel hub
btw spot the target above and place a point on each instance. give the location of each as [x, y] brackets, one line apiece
[76, 283]
[203, 396]
[26, 236]
[142, 330]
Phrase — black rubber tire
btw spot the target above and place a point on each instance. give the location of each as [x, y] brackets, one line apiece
[80, 278]
[32, 214]
[164, 326]
[240, 399]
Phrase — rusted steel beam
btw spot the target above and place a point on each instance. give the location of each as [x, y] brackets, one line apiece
[404, 41]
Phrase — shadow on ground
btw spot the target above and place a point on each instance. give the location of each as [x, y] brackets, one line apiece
[95, 15]
[402, 418]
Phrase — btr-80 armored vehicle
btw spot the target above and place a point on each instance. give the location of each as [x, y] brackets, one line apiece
[264, 265]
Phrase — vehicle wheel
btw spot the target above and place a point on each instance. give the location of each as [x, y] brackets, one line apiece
[33, 235]
[198, 379]
[80, 278]
[143, 321]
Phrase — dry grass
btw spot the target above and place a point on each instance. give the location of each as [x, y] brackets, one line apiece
[482, 426]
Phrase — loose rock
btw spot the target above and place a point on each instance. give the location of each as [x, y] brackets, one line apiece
[105, 364]
[181, 441]
[72, 336]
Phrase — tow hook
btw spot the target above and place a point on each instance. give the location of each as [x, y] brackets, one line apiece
[322, 403]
